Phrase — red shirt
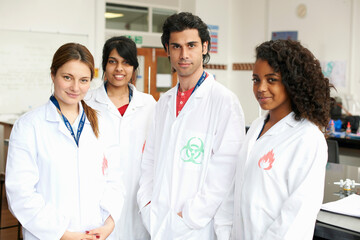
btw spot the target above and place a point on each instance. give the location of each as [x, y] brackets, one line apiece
[181, 99]
[122, 109]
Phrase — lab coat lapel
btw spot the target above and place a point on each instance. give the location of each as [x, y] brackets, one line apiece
[101, 95]
[52, 115]
[171, 101]
[253, 134]
[281, 126]
[196, 96]
[102, 98]
[136, 102]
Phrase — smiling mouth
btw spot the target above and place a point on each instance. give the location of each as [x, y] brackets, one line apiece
[263, 99]
[72, 95]
[119, 77]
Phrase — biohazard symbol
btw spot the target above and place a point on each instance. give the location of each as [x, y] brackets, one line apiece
[193, 151]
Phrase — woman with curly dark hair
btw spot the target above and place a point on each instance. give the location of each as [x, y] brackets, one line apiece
[280, 179]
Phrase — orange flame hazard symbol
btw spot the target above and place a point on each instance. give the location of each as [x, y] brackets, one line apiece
[266, 161]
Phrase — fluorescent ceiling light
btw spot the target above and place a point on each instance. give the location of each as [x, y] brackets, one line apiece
[113, 15]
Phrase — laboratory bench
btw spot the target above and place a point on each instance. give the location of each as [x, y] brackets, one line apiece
[349, 149]
[331, 225]
[347, 142]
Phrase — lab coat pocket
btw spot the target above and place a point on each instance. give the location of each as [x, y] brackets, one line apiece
[180, 229]
[145, 216]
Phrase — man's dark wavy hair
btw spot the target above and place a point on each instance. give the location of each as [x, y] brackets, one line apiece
[179, 22]
[301, 73]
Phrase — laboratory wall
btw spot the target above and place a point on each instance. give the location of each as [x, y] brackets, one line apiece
[248, 29]
[329, 28]
[66, 16]
[332, 35]
[355, 58]
[38, 28]
[326, 29]
[211, 13]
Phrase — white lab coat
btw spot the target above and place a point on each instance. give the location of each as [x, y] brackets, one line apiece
[189, 163]
[130, 131]
[280, 200]
[51, 184]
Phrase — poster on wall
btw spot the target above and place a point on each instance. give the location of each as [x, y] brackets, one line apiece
[214, 29]
[335, 71]
[293, 35]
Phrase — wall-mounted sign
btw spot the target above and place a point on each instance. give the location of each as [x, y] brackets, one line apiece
[293, 35]
[335, 71]
[214, 29]
[136, 39]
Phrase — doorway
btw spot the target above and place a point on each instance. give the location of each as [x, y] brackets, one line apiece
[154, 74]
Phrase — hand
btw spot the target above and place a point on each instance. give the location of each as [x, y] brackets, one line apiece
[103, 232]
[180, 214]
[77, 236]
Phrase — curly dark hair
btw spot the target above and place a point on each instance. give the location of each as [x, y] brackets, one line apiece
[301, 74]
[179, 22]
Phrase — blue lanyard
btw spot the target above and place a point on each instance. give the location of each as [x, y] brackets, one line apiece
[67, 123]
[130, 94]
[201, 80]
[130, 91]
